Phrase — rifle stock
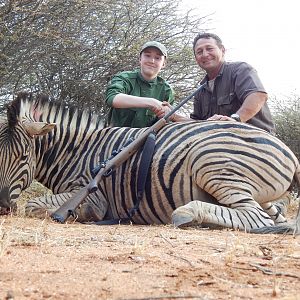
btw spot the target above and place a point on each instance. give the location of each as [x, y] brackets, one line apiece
[68, 208]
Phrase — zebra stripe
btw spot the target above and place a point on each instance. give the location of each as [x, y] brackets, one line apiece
[211, 173]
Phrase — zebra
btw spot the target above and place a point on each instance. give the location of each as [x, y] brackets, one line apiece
[214, 173]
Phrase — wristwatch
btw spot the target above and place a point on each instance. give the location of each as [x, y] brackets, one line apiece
[236, 117]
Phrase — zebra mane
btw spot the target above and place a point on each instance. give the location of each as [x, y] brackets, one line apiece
[41, 108]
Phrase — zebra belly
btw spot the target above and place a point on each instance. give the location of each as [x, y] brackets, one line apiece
[164, 192]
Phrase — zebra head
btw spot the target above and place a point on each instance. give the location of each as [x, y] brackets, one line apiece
[17, 149]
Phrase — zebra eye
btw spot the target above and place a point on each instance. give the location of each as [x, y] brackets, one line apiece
[23, 157]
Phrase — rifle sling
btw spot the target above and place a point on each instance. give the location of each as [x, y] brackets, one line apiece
[146, 159]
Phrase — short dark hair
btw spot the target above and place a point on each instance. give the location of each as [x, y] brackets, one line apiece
[207, 35]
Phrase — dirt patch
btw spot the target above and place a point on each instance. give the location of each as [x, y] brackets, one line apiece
[41, 259]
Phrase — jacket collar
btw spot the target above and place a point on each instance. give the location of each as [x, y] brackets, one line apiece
[205, 79]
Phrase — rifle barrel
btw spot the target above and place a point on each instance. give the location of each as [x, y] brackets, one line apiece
[182, 102]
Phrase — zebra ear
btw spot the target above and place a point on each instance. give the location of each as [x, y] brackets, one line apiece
[38, 128]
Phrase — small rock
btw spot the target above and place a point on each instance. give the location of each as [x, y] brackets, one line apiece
[9, 295]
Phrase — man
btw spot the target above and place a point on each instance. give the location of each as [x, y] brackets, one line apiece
[232, 91]
[136, 97]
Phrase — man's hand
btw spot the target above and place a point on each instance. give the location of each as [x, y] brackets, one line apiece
[175, 117]
[168, 107]
[160, 108]
[220, 118]
[250, 107]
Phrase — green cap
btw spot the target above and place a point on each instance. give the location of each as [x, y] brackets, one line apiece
[157, 45]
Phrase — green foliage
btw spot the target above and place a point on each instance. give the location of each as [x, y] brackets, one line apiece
[287, 121]
[71, 48]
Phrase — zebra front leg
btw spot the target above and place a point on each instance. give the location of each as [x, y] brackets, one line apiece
[93, 208]
[41, 207]
[243, 216]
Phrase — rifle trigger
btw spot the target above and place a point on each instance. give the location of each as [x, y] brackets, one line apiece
[108, 173]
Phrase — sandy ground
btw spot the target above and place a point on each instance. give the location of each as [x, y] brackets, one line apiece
[40, 259]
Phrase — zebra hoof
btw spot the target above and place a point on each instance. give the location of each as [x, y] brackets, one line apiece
[182, 218]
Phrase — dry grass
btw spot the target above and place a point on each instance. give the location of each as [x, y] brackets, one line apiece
[142, 262]
[35, 190]
[294, 205]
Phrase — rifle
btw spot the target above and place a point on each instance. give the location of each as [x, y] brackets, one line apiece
[105, 168]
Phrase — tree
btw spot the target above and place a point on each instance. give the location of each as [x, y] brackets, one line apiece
[71, 48]
[287, 121]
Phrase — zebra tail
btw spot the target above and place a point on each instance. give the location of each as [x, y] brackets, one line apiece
[280, 229]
